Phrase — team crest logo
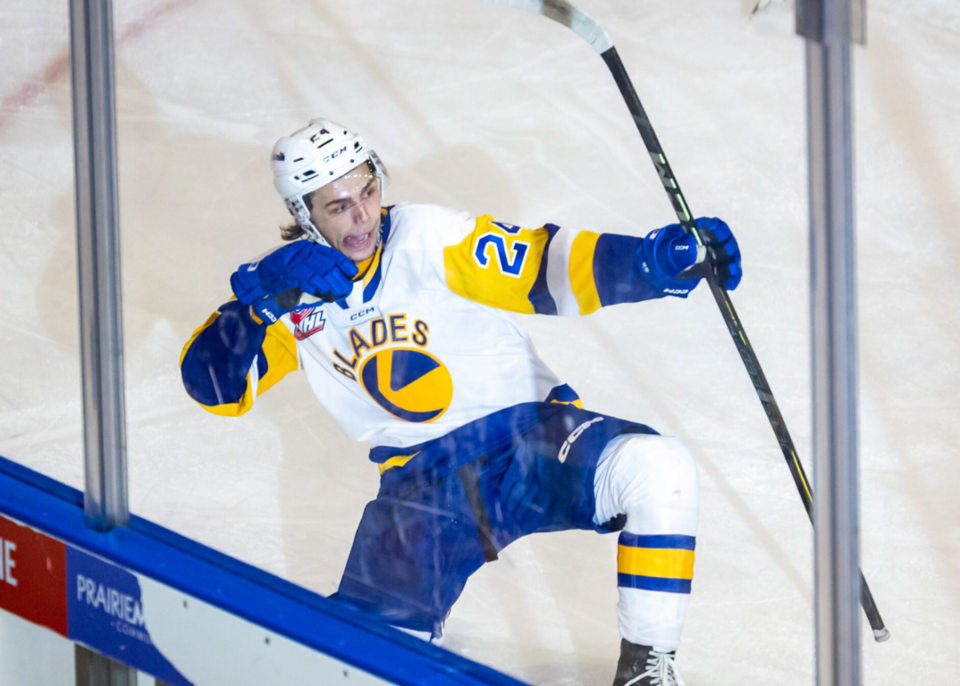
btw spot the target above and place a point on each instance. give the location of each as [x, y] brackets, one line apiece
[410, 384]
[307, 322]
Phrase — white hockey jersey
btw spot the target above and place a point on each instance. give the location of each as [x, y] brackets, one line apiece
[426, 343]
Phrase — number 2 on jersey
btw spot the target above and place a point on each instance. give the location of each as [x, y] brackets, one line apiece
[510, 263]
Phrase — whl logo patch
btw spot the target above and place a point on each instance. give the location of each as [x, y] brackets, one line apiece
[307, 322]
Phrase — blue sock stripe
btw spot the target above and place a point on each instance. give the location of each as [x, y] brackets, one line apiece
[674, 542]
[653, 583]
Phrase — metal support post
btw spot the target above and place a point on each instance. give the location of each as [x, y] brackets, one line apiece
[827, 26]
[98, 263]
[94, 669]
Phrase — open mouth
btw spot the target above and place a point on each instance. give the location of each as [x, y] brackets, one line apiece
[359, 241]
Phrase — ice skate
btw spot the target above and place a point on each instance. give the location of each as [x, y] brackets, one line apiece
[644, 666]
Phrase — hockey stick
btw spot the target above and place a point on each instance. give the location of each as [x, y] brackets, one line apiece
[588, 29]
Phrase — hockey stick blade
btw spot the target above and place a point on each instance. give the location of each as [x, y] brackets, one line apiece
[564, 13]
[587, 28]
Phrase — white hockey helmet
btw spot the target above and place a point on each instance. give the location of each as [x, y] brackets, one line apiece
[314, 156]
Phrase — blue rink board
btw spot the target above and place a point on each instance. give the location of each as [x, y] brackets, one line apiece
[238, 588]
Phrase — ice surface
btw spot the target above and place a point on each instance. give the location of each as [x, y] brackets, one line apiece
[488, 109]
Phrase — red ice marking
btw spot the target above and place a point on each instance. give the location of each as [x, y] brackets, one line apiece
[60, 65]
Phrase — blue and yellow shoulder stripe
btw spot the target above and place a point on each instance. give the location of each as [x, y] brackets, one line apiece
[502, 265]
[545, 270]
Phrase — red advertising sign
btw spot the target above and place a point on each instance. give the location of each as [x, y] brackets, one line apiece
[33, 577]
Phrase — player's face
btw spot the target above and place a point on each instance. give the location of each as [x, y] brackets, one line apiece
[347, 213]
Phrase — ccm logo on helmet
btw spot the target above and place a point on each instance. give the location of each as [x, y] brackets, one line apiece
[335, 154]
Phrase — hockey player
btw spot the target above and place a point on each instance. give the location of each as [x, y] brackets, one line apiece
[399, 317]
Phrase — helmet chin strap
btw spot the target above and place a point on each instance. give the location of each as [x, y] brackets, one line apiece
[301, 214]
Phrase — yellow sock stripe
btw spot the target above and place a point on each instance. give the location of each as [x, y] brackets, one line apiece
[581, 271]
[659, 562]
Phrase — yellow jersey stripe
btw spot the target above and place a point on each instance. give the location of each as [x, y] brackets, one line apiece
[233, 409]
[581, 271]
[575, 403]
[280, 348]
[397, 461]
[228, 409]
[368, 267]
[200, 329]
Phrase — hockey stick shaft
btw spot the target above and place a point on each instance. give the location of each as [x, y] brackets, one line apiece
[564, 13]
[729, 312]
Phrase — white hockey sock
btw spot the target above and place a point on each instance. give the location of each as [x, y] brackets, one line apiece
[653, 480]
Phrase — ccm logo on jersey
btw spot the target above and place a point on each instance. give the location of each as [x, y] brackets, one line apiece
[361, 314]
[571, 439]
[307, 322]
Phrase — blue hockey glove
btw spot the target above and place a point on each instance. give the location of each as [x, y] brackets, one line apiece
[662, 258]
[667, 257]
[273, 284]
[723, 251]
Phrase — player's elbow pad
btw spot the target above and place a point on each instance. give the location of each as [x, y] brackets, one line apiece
[215, 369]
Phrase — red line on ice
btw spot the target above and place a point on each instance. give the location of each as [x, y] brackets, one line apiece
[60, 65]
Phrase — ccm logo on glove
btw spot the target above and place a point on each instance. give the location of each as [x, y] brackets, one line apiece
[667, 257]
